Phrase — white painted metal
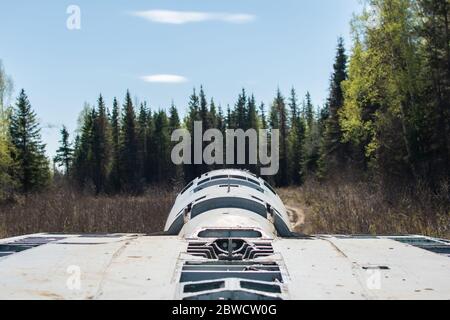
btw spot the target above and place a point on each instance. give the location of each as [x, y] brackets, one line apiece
[190, 196]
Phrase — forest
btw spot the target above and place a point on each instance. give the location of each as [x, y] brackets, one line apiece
[375, 158]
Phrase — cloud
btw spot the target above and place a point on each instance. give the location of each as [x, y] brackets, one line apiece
[164, 78]
[182, 17]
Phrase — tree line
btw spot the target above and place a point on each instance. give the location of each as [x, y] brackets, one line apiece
[387, 117]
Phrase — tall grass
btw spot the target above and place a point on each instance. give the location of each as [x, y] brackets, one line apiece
[335, 207]
[65, 211]
[340, 207]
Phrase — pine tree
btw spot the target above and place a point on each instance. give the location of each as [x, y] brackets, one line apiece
[229, 119]
[115, 142]
[252, 114]
[204, 113]
[213, 120]
[238, 119]
[252, 123]
[311, 148]
[129, 160]
[296, 140]
[162, 143]
[309, 111]
[150, 173]
[142, 136]
[435, 127]
[175, 177]
[206, 125]
[191, 171]
[83, 163]
[29, 152]
[101, 148]
[333, 150]
[262, 115]
[240, 112]
[174, 118]
[64, 154]
[279, 120]
[221, 121]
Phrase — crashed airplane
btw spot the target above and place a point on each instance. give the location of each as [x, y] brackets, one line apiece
[228, 236]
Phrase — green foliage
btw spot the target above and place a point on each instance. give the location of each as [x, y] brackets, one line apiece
[396, 105]
[7, 181]
[64, 154]
[32, 167]
[333, 150]
[101, 147]
[115, 141]
[311, 146]
[279, 120]
[128, 156]
[83, 154]
[296, 141]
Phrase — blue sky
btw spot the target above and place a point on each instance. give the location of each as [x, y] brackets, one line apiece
[161, 49]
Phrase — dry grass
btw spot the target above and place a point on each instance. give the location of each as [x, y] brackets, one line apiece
[361, 208]
[336, 208]
[70, 212]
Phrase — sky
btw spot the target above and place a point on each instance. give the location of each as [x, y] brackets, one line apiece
[161, 49]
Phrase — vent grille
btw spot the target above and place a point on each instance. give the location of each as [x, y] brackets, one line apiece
[231, 280]
[229, 271]
[230, 249]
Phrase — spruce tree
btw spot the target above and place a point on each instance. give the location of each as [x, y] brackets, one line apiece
[29, 152]
[296, 140]
[204, 113]
[309, 111]
[174, 118]
[333, 150]
[262, 115]
[115, 141]
[240, 112]
[150, 173]
[129, 160]
[175, 172]
[64, 154]
[252, 123]
[311, 150]
[221, 121]
[191, 171]
[213, 120]
[163, 163]
[101, 148]
[279, 120]
[435, 125]
[83, 163]
[252, 114]
[206, 125]
[142, 133]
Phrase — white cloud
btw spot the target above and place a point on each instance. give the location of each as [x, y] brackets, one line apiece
[182, 17]
[164, 78]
